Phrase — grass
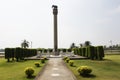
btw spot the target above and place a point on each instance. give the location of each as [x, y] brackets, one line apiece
[108, 69]
[15, 70]
[112, 52]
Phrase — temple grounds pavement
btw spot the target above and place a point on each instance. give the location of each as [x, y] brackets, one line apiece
[55, 69]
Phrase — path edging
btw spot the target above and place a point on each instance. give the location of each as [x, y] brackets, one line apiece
[42, 70]
[69, 70]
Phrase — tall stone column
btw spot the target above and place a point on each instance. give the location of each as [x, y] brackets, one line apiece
[55, 12]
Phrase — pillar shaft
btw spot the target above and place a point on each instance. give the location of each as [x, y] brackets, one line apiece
[55, 12]
[55, 35]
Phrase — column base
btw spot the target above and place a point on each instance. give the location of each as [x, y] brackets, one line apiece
[56, 53]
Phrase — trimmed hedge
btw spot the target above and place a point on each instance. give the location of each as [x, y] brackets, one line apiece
[7, 54]
[94, 53]
[40, 50]
[64, 50]
[75, 51]
[50, 50]
[69, 50]
[19, 53]
[80, 51]
[91, 52]
[100, 52]
[84, 52]
[45, 50]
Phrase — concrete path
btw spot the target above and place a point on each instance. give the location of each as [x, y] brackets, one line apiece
[56, 70]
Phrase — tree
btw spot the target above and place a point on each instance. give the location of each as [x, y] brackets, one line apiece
[81, 45]
[87, 43]
[72, 45]
[25, 44]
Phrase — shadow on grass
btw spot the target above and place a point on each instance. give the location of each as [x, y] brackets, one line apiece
[102, 60]
[89, 76]
[106, 60]
[10, 61]
[38, 66]
[31, 77]
[74, 66]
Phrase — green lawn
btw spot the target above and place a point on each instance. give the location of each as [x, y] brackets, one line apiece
[108, 69]
[15, 70]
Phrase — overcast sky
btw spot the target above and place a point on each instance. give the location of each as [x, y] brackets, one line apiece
[97, 21]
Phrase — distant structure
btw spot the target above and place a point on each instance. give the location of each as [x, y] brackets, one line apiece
[55, 12]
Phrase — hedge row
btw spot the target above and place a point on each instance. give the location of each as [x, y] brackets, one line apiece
[51, 50]
[91, 52]
[19, 53]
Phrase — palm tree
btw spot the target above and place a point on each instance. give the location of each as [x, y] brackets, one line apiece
[25, 44]
[87, 43]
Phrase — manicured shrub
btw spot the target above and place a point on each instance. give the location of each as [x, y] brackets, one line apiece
[65, 57]
[25, 51]
[12, 53]
[29, 71]
[84, 70]
[71, 63]
[84, 52]
[96, 55]
[42, 60]
[91, 52]
[67, 60]
[18, 52]
[80, 51]
[39, 49]
[37, 64]
[33, 52]
[45, 58]
[69, 50]
[45, 50]
[50, 50]
[7, 54]
[100, 52]
[64, 50]
[75, 51]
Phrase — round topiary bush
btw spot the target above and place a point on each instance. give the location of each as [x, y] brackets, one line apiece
[67, 60]
[65, 57]
[42, 60]
[84, 70]
[29, 71]
[37, 64]
[71, 63]
[45, 58]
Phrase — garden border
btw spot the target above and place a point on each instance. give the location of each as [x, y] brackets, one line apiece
[74, 77]
[36, 78]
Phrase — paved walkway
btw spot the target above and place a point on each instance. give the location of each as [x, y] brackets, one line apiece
[56, 70]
